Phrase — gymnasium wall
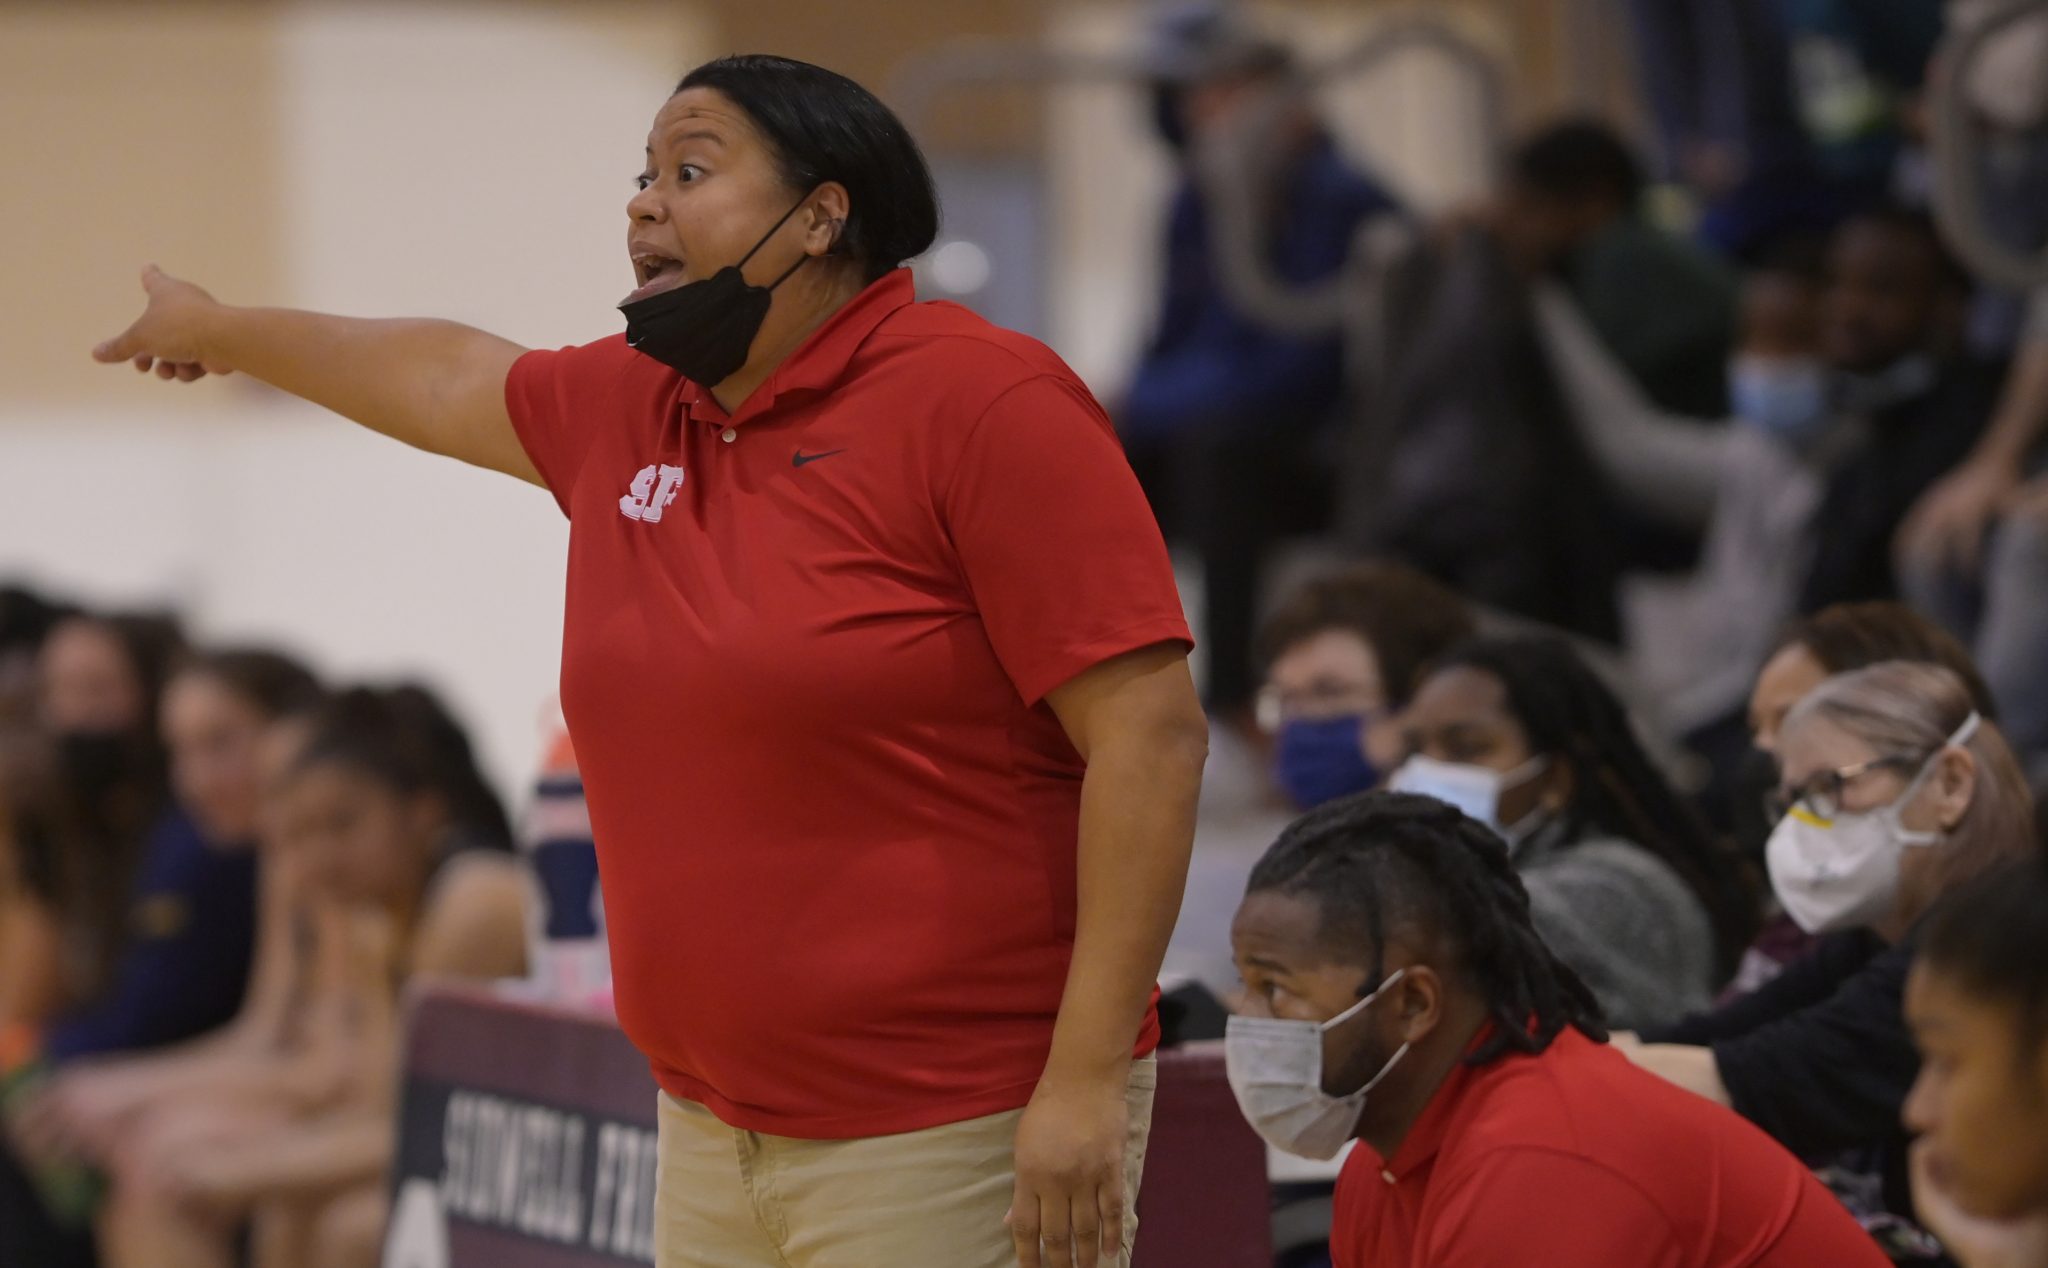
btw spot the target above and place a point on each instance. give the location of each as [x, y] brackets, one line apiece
[470, 160]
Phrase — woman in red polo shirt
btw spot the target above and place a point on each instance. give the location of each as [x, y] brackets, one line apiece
[876, 670]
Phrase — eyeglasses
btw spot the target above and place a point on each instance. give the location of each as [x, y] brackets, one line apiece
[1322, 700]
[1820, 794]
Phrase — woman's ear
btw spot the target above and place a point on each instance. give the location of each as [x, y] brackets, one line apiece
[828, 212]
[1953, 785]
[1559, 783]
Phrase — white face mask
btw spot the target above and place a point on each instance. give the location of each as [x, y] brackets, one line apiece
[1276, 1071]
[1475, 790]
[1786, 398]
[1843, 873]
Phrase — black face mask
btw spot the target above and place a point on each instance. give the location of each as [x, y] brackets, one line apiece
[703, 329]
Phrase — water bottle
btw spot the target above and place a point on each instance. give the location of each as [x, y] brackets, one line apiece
[568, 959]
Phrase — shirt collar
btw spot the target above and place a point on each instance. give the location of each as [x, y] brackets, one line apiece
[1425, 1139]
[820, 361]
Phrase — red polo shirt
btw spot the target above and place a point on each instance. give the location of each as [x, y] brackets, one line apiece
[805, 662]
[1576, 1157]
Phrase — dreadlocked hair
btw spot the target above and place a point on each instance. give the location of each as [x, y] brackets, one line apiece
[1570, 715]
[1384, 861]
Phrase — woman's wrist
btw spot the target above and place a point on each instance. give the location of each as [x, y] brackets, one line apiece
[1089, 1051]
[216, 329]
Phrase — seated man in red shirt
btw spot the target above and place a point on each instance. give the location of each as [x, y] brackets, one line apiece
[1398, 994]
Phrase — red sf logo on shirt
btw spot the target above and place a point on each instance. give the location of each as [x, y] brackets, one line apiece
[653, 489]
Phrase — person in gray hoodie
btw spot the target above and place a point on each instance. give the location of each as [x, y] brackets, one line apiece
[1624, 883]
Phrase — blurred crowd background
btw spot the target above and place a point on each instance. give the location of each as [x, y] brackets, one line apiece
[1523, 385]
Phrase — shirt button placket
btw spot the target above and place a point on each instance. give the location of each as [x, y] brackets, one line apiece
[729, 435]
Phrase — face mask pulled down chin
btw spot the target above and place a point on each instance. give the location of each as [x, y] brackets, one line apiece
[704, 329]
[1276, 1073]
[1843, 873]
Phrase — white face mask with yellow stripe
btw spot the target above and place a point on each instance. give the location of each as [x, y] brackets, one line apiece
[1843, 872]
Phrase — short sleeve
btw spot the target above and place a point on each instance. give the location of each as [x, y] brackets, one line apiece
[551, 395]
[1055, 538]
[1524, 1206]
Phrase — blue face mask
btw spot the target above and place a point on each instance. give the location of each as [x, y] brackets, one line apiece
[1786, 399]
[1323, 759]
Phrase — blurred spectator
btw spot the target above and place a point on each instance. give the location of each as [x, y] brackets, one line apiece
[33, 833]
[407, 871]
[1718, 76]
[100, 681]
[1397, 992]
[1853, 398]
[26, 988]
[1477, 479]
[1897, 791]
[1891, 329]
[89, 1108]
[1228, 424]
[1977, 1002]
[1694, 641]
[1974, 551]
[192, 911]
[1850, 636]
[26, 619]
[193, 923]
[1623, 881]
[1857, 73]
[1834, 641]
[1949, 524]
[2006, 95]
[1573, 209]
[1343, 655]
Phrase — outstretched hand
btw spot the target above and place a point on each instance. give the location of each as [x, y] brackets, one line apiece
[169, 337]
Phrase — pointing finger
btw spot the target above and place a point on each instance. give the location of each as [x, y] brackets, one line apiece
[112, 351]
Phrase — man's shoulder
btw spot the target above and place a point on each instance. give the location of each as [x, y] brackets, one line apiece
[1577, 1098]
[1643, 257]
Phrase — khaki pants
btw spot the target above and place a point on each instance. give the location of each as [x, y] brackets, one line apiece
[929, 1199]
